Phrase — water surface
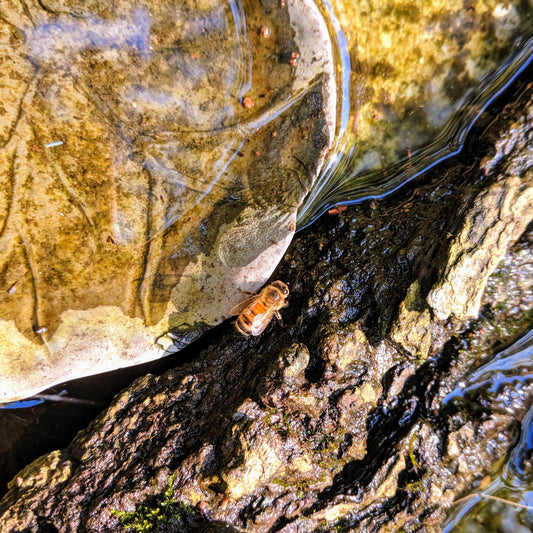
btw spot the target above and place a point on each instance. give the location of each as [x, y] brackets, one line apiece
[413, 78]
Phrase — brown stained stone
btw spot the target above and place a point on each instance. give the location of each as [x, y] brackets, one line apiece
[137, 194]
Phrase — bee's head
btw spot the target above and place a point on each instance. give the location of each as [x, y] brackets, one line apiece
[282, 287]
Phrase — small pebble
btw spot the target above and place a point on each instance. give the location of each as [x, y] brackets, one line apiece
[265, 32]
[294, 59]
[248, 102]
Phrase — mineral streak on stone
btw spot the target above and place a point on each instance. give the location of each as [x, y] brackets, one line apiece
[329, 423]
[137, 194]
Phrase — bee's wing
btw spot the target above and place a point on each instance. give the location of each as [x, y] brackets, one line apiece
[261, 322]
[240, 307]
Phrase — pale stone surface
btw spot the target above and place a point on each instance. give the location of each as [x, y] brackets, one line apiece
[499, 216]
[413, 328]
[138, 193]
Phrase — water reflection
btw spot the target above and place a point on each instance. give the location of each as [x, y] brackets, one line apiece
[347, 179]
[413, 79]
[48, 41]
[512, 367]
[61, 396]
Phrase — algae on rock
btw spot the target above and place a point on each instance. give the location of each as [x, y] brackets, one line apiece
[334, 421]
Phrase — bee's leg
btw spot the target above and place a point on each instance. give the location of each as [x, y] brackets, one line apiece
[277, 314]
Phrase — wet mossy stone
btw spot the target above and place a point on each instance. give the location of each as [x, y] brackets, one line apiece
[140, 192]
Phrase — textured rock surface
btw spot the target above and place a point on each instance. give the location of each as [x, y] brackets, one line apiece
[334, 421]
[500, 215]
[130, 164]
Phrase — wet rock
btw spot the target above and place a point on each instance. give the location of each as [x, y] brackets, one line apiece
[337, 420]
[500, 215]
[129, 166]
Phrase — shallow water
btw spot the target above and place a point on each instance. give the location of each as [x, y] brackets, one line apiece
[412, 81]
[490, 507]
[383, 139]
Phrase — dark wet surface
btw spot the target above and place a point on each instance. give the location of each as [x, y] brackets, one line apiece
[32, 431]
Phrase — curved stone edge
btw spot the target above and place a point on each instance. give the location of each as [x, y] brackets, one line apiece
[56, 360]
[316, 55]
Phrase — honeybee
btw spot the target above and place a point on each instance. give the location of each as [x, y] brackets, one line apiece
[256, 312]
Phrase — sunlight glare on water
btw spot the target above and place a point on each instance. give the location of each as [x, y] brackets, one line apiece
[494, 504]
[412, 80]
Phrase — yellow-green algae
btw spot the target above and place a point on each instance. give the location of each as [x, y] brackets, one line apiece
[414, 75]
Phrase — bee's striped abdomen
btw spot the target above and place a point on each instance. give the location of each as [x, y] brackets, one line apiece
[246, 319]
